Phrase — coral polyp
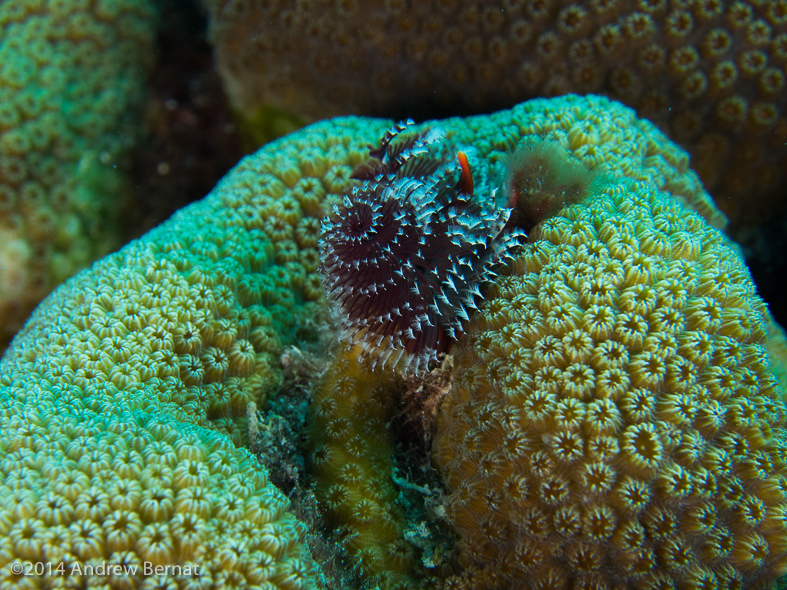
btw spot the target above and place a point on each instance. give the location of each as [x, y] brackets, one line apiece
[403, 257]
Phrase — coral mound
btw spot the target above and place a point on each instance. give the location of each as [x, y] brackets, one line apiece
[615, 421]
[123, 399]
[710, 73]
[627, 340]
[72, 77]
[97, 484]
[642, 175]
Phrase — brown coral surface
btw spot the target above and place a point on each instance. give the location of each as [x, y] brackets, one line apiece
[710, 73]
[190, 138]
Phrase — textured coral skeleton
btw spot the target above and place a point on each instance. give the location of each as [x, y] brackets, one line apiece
[422, 400]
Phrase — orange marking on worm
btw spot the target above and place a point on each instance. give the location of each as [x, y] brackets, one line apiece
[466, 179]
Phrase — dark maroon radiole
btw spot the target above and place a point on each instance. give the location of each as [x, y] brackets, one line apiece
[404, 254]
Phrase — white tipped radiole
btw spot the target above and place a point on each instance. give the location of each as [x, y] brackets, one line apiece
[404, 255]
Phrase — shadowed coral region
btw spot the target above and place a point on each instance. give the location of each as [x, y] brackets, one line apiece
[351, 461]
[710, 73]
